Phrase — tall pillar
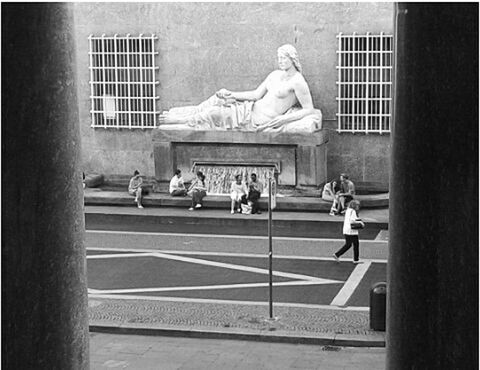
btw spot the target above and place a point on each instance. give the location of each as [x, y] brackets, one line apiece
[432, 310]
[44, 296]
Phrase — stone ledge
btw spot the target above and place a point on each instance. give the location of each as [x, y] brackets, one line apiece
[99, 197]
[240, 137]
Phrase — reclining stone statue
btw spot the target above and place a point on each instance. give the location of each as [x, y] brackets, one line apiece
[282, 103]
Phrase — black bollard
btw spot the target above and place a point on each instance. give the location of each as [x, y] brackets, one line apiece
[378, 306]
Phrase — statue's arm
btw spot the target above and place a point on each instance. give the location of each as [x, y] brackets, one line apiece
[253, 95]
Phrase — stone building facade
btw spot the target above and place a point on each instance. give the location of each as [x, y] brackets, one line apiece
[205, 46]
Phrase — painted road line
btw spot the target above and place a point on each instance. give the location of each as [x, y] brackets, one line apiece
[245, 268]
[351, 284]
[382, 235]
[207, 287]
[276, 256]
[218, 254]
[219, 301]
[120, 255]
[253, 237]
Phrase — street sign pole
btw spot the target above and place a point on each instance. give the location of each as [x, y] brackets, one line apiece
[270, 250]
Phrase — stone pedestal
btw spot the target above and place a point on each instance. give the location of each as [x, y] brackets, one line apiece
[300, 158]
[432, 298]
[44, 295]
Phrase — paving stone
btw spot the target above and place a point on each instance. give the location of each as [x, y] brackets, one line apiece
[298, 320]
[191, 353]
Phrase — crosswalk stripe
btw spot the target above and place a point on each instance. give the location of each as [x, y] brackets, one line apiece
[351, 284]
[205, 287]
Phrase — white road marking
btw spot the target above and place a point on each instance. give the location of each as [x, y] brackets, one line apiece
[219, 301]
[245, 268]
[217, 264]
[207, 287]
[351, 284]
[287, 238]
[119, 255]
[202, 253]
[339, 301]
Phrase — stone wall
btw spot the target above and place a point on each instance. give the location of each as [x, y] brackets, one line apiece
[205, 46]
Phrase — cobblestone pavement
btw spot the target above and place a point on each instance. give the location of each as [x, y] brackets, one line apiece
[109, 351]
[305, 322]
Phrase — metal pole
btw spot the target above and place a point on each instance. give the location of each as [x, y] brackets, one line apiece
[270, 252]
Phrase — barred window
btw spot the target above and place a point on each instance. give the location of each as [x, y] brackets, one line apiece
[364, 83]
[123, 81]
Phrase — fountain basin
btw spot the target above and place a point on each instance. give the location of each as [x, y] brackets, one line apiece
[299, 159]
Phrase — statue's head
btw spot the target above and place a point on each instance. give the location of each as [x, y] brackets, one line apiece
[290, 51]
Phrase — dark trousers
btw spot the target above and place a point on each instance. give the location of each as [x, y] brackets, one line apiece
[179, 193]
[254, 196]
[197, 197]
[349, 240]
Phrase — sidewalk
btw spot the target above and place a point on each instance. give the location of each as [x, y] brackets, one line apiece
[245, 321]
[151, 353]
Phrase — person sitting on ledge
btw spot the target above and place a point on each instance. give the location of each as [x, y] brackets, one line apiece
[346, 193]
[282, 103]
[238, 194]
[197, 191]
[329, 192]
[177, 187]
[255, 189]
[135, 188]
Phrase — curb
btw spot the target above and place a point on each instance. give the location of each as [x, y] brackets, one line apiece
[341, 340]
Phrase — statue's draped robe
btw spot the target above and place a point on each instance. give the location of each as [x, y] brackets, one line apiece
[222, 115]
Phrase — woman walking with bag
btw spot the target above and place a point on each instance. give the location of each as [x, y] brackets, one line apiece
[351, 224]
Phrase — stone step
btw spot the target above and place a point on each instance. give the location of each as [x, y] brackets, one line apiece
[221, 222]
[95, 196]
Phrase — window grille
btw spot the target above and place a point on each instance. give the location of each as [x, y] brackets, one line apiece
[364, 83]
[122, 81]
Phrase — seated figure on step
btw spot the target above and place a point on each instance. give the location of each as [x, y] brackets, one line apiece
[282, 103]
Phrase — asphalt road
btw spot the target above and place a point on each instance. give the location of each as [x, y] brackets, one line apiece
[229, 268]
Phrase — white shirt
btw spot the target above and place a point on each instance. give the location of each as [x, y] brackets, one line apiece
[176, 183]
[238, 189]
[350, 215]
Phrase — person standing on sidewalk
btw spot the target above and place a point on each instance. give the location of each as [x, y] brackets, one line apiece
[351, 235]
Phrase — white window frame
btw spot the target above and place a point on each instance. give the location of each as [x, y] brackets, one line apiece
[365, 78]
[123, 82]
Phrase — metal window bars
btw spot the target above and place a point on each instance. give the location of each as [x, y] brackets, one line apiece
[123, 81]
[364, 83]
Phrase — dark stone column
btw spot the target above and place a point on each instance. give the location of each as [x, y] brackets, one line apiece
[44, 296]
[432, 313]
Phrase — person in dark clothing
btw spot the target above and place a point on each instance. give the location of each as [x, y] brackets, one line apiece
[346, 193]
[255, 189]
